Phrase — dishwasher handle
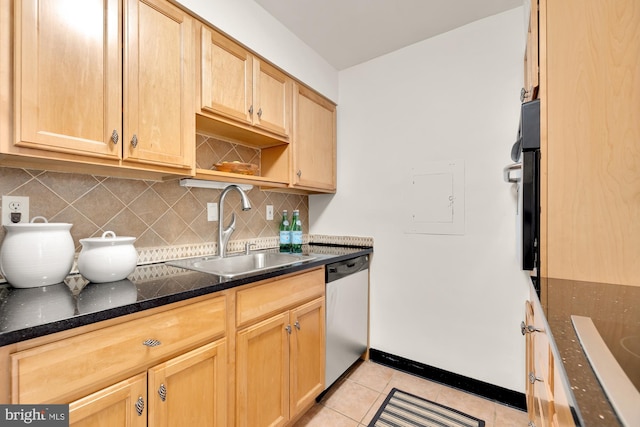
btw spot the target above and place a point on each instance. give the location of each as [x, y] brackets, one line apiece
[340, 269]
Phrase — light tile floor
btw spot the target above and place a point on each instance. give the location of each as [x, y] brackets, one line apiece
[356, 397]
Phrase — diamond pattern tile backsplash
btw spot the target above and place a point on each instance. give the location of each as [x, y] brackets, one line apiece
[158, 214]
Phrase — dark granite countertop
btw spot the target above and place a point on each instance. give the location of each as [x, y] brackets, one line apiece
[35, 312]
[615, 311]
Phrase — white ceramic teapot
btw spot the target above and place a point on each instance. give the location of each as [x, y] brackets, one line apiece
[107, 258]
[37, 253]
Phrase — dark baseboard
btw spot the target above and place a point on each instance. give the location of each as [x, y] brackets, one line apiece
[480, 388]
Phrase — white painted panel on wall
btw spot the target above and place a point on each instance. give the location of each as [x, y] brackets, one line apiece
[436, 205]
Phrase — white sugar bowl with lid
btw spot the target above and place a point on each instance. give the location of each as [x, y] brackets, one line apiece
[107, 258]
[37, 253]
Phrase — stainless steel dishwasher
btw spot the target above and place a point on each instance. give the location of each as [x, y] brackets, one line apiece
[347, 314]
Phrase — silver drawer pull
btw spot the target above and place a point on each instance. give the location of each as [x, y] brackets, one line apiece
[297, 325]
[140, 405]
[115, 137]
[162, 392]
[151, 343]
[529, 329]
[533, 378]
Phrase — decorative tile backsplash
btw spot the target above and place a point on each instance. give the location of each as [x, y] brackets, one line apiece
[161, 215]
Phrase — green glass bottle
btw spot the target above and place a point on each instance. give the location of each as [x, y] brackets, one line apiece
[296, 232]
[285, 233]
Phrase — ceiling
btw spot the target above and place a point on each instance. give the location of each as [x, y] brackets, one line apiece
[349, 32]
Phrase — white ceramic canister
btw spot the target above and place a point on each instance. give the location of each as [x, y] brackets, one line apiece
[37, 253]
[107, 258]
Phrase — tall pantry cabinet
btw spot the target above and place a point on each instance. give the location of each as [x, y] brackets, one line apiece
[582, 61]
[590, 140]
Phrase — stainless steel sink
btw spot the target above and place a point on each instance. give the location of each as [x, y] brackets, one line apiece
[241, 264]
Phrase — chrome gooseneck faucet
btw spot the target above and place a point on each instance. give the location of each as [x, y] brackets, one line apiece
[225, 234]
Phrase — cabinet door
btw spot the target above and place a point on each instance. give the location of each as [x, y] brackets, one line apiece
[226, 77]
[123, 404]
[531, 62]
[272, 93]
[262, 369]
[191, 389]
[159, 116]
[307, 355]
[529, 361]
[68, 77]
[314, 143]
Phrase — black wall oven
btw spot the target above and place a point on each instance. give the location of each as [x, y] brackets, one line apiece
[526, 155]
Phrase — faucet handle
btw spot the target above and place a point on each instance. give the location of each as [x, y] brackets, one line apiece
[247, 247]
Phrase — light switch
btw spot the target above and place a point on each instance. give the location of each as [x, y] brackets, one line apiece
[212, 211]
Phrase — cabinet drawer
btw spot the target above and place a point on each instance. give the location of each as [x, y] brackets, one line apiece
[261, 301]
[76, 366]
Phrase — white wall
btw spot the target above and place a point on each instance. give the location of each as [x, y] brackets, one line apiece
[451, 301]
[251, 25]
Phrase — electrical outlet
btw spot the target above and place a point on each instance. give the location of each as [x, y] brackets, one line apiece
[212, 211]
[269, 212]
[15, 209]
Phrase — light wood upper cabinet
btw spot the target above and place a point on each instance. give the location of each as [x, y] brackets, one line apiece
[590, 129]
[103, 82]
[237, 85]
[159, 88]
[68, 77]
[226, 77]
[531, 62]
[314, 146]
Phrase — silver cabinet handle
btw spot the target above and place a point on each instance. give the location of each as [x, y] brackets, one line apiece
[506, 172]
[299, 173]
[115, 137]
[533, 378]
[134, 141]
[162, 392]
[251, 110]
[260, 113]
[523, 94]
[140, 406]
[288, 329]
[297, 325]
[528, 329]
[151, 342]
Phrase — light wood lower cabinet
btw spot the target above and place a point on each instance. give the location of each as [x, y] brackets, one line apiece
[280, 358]
[249, 356]
[168, 368]
[190, 390]
[113, 406]
[187, 390]
[280, 366]
[547, 403]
